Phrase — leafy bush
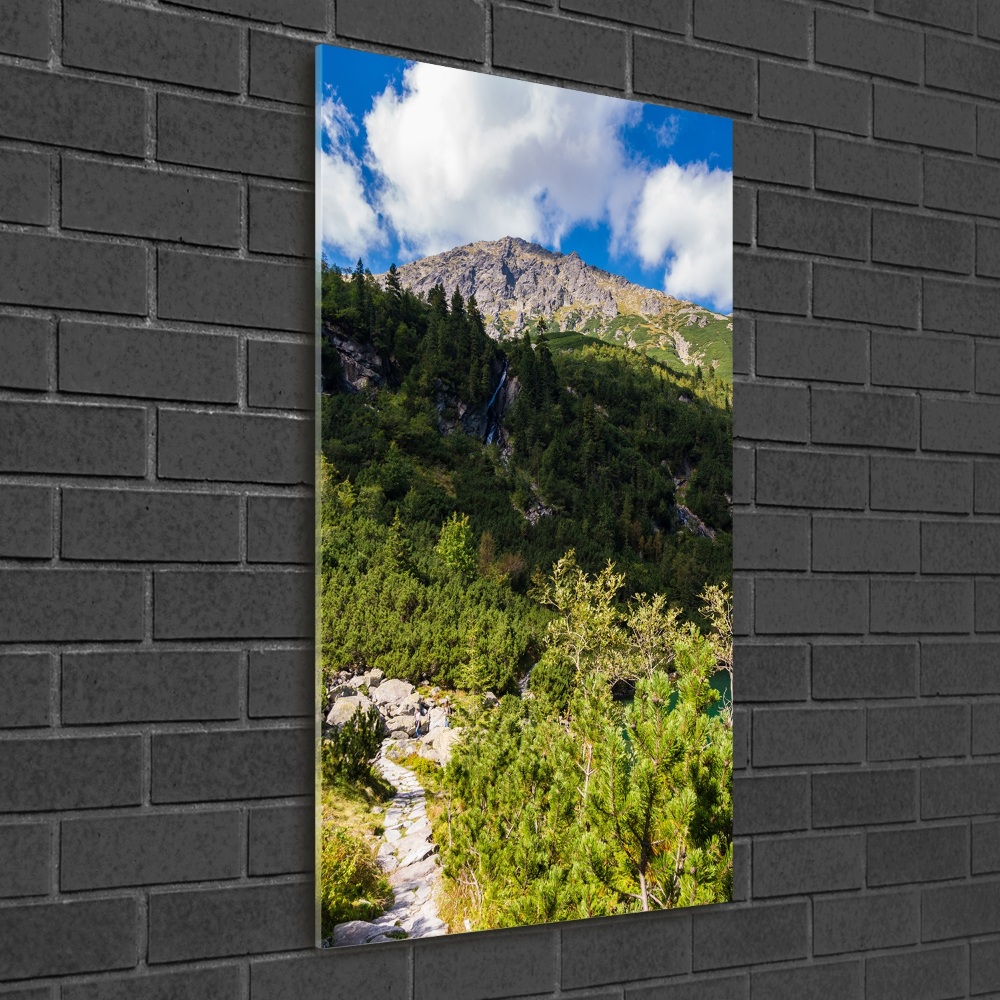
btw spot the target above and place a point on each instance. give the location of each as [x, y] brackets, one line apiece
[552, 679]
[349, 751]
[352, 886]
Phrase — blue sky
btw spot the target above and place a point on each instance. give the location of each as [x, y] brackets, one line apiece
[415, 158]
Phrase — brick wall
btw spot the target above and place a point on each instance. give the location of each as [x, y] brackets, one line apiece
[156, 503]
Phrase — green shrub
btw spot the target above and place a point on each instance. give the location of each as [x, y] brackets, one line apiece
[552, 679]
[352, 886]
[348, 752]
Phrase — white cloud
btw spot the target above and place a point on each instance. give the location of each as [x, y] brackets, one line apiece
[466, 156]
[684, 221]
[347, 221]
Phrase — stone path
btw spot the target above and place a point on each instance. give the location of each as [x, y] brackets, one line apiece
[407, 857]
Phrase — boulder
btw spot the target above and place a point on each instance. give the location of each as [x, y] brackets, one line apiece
[401, 723]
[490, 700]
[353, 932]
[393, 692]
[444, 740]
[437, 719]
[344, 708]
[375, 677]
[341, 691]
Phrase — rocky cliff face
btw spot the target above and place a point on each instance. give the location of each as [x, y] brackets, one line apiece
[515, 281]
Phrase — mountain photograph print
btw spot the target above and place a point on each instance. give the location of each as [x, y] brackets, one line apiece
[524, 687]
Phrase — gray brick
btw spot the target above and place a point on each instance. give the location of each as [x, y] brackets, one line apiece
[681, 72]
[988, 134]
[865, 296]
[905, 115]
[235, 447]
[245, 920]
[908, 359]
[987, 488]
[770, 412]
[158, 204]
[213, 289]
[382, 972]
[220, 983]
[965, 547]
[784, 736]
[923, 241]
[25, 679]
[789, 866]
[873, 670]
[150, 526]
[147, 43]
[725, 937]
[453, 28]
[960, 307]
[743, 474]
[24, 30]
[765, 803]
[281, 683]
[869, 46]
[281, 530]
[282, 375]
[25, 350]
[929, 974]
[987, 605]
[921, 606]
[294, 13]
[259, 605]
[741, 738]
[960, 667]
[72, 439]
[858, 798]
[791, 94]
[960, 911]
[24, 187]
[961, 186]
[152, 363]
[985, 846]
[867, 170]
[960, 425]
[744, 200]
[552, 46]
[282, 840]
[988, 251]
[714, 988]
[988, 24]
[776, 155]
[242, 139]
[664, 15]
[929, 854]
[282, 221]
[54, 605]
[985, 728]
[804, 605]
[865, 545]
[953, 64]
[84, 114]
[595, 952]
[770, 284]
[282, 69]
[812, 225]
[959, 790]
[985, 963]
[95, 935]
[261, 763]
[145, 850]
[862, 417]
[844, 980]
[959, 15]
[762, 25]
[26, 522]
[924, 484]
[743, 333]
[54, 271]
[864, 923]
[40, 775]
[25, 860]
[149, 686]
[799, 478]
[820, 352]
[517, 963]
[904, 731]
[772, 673]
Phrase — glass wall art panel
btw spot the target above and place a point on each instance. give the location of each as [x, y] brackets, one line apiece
[525, 503]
